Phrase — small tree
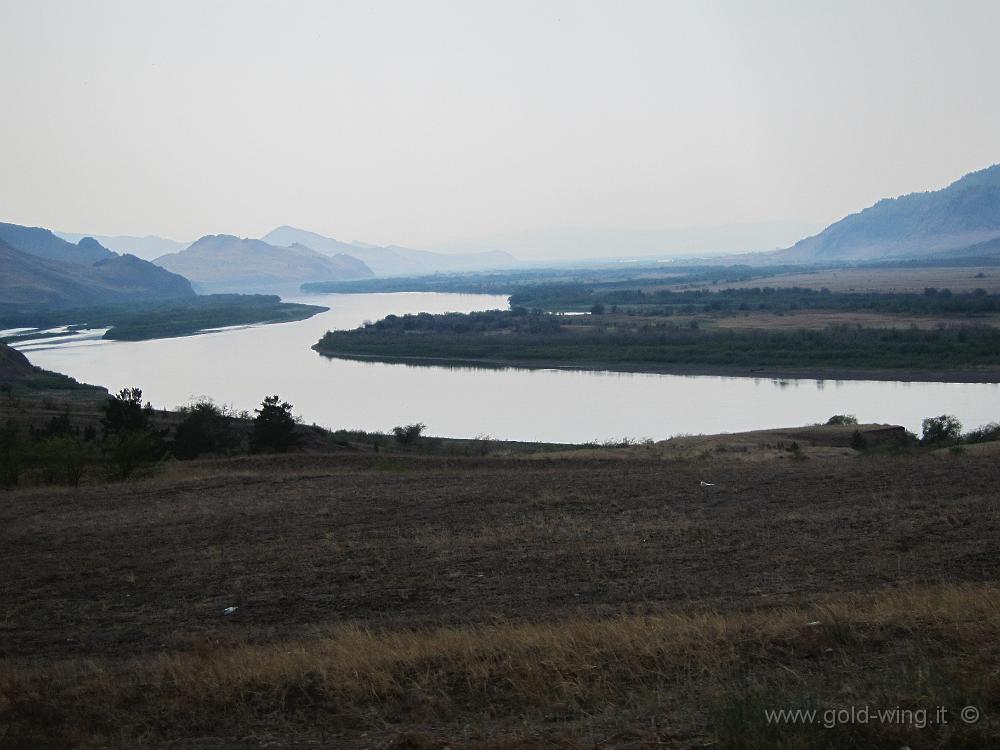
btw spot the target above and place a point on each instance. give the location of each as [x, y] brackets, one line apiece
[11, 450]
[129, 436]
[125, 412]
[943, 429]
[206, 428]
[62, 459]
[408, 434]
[858, 441]
[130, 450]
[842, 419]
[274, 426]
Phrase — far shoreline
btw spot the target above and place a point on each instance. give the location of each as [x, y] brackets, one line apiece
[983, 376]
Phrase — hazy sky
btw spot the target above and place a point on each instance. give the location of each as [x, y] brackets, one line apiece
[428, 122]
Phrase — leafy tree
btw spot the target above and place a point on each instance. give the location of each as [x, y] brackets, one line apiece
[858, 441]
[129, 436]
[943, 429]
[125, 413]
[206, 428]
[274, 426]
[842, 419]
[408, 434]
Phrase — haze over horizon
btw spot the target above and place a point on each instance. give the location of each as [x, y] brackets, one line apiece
[454, 126]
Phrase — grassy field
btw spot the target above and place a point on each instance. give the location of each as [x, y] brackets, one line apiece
[662, 595]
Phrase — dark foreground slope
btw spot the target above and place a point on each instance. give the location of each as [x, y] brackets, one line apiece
[18, 377]
[608, 600]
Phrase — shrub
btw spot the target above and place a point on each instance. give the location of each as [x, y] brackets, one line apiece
[858, 441]
[274, 426]
[943, 429]
[125, 413]
[483, 444]
[128, 451]
[206, 428]
[842, 419]
[408, 434]
[58, 426]
[988, 433]
[10, 454]
[62, 459]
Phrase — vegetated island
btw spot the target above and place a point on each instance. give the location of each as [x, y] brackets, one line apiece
[154, 320]
[745, 331]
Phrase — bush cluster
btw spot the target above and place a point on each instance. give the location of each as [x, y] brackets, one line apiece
[130, 439]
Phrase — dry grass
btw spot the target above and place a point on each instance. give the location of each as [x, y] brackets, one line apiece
[818, 320]
[499, 602]
[560, 676]
[892, 280]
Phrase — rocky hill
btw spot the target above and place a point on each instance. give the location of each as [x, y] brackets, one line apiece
[936, 223]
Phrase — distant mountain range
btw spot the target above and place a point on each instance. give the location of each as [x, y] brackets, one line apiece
[147, 248]
[222, 262]
[389, 260]
[392, 260]
[600, 243]
[41, 269]
[961, 220]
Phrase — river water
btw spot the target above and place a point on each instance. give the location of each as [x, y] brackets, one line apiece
[240, 366]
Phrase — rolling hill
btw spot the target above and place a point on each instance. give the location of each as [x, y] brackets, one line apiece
[392, 260]
[223, 262]
[149, 247]
[42, 270]
[936, 223]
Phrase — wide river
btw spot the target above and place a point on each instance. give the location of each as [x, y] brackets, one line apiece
[241, 366]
